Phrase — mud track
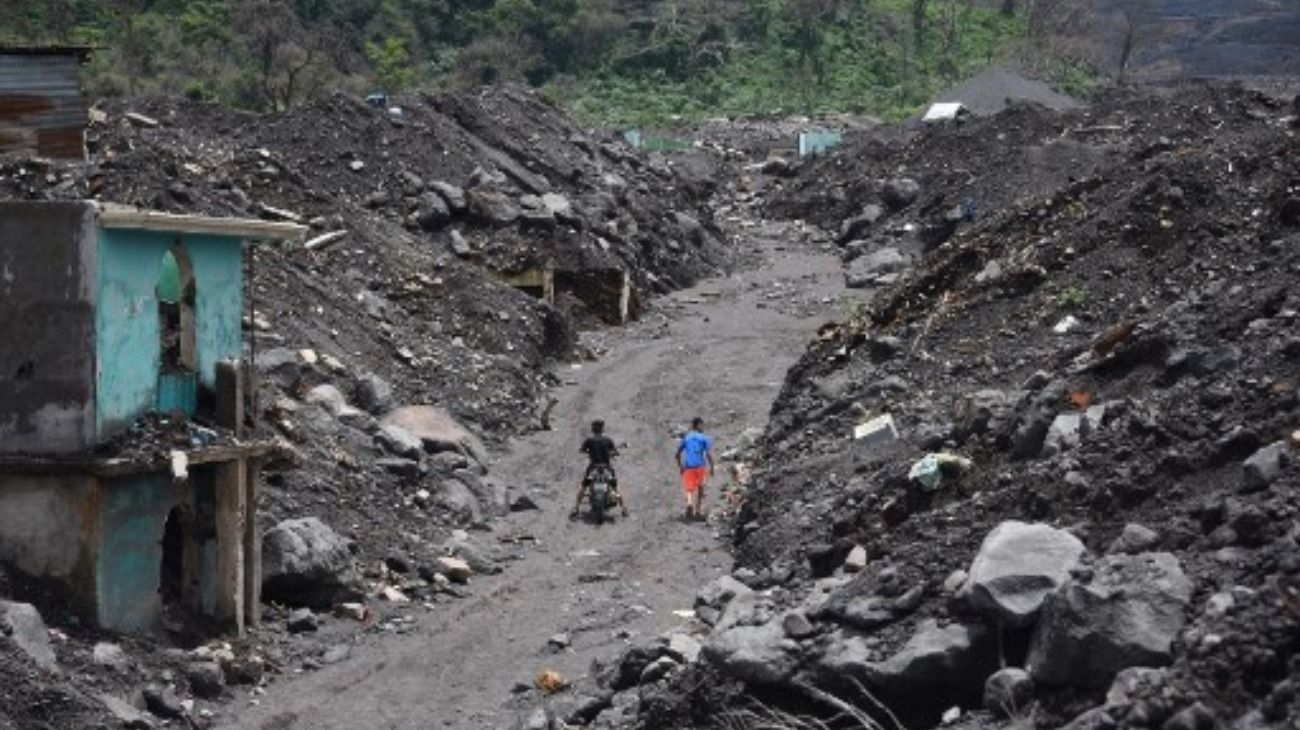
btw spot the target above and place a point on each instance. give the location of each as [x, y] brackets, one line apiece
[719, 350]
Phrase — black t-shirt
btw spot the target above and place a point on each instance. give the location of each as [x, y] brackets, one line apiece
[599, 449]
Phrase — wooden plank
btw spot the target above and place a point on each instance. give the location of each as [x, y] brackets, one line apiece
[116, 467]
[231, 510]
[114, 216]
[230, 397]
[252, 545]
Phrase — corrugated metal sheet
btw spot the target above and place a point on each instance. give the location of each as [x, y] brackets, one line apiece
[42, 111]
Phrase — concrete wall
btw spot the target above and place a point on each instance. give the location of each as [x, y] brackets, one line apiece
[48, 527]
[127, 327]
[47, 304]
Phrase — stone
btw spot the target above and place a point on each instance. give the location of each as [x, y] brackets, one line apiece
[558, 206]
[460, 247]
[458, 500]
[719, 592]
[163, 702]
[658, 669]
[1007, 692]
[797, 626]
[454, 568]
[125, 714]
[1126, 615]
[523, 503]
[869, 269]
[985, 411]
[452, 194]
[1195, 717]
[684, 647]
[438, 430]
[854, 227]
[398, 441]
[305, 563]
[301, 621]
[756, 654]
[492, 206]
[1265, 466]
[336, 654]
[954, 581]
[432, 212]
[900, 192]
[1134, 539]
[560, 641]
[106, 654]
[856, 562]
[1131, 683]
[206, 679]
[1017, 567]
[937, 666]
[21, 624]
[990, 274]
[1063, 434]
[373, 394]
[330, 398]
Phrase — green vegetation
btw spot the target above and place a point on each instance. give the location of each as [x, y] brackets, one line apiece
[614, 62]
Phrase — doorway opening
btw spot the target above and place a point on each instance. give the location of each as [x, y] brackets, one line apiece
[171, 580]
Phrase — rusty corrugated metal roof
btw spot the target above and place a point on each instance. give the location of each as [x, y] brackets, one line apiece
[42, 110]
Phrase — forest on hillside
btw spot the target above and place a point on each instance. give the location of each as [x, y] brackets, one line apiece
[613, 61]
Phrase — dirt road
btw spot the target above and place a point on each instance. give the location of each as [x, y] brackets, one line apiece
[719, 350]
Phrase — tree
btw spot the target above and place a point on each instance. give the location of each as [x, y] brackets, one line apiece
[287, 58]
[391, 62]
[1138, 23]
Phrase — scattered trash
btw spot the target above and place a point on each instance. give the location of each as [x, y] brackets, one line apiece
[928, 472]
[180, 466]
[684, 613]
[550, 681]
[879, 430]
[1081, 399]
[1065, 325]
[141, 120]
[951, 715]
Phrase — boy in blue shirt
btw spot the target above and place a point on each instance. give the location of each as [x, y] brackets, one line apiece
[695, 462]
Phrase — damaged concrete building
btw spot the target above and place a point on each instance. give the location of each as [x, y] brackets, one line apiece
[122, 332]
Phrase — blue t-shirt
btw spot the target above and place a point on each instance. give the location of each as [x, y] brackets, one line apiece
[694, 447]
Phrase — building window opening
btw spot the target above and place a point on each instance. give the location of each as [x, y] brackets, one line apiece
[176, 297]
[171, 584]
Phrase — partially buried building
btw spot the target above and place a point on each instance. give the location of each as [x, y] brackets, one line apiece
[127, 475]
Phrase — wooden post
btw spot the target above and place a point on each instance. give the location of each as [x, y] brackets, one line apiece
[252, 545]
[230, 397]
[231, 498]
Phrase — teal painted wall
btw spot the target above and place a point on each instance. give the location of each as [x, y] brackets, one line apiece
[126, 318]
[130, 557]
[133, 518]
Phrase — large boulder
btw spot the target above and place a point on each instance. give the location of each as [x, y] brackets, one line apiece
[938, 667]
[305, 563]
[872, 268]
[437, 430]
[1126, 615]
[756, 654]
[900, 192]
[492, 206]
[1016, 568]
[22, 624]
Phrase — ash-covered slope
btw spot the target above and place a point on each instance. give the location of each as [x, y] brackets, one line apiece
[404, 305]
[1113, 351]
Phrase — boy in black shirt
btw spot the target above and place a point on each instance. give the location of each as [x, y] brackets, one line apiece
[600, 451]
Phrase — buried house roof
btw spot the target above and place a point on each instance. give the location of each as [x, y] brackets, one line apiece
[125, 217]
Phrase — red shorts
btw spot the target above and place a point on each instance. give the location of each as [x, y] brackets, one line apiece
[693, 479]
